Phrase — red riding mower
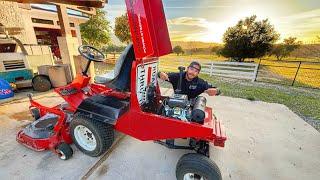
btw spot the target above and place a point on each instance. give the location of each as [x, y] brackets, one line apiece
[130, 103]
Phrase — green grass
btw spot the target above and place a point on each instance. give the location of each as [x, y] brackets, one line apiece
[304, 102]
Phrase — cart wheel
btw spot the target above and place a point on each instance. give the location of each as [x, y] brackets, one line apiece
[65, 151]
[41, 83]
[197, 166]
[92, 137]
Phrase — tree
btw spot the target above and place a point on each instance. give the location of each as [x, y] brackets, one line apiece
[122, 29]
[96, 31]
[216, 50]
[284, 49]
[249, 38]
[113, 49]
[178, 50]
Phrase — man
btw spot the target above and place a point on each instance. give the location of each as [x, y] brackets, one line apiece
[191, 84]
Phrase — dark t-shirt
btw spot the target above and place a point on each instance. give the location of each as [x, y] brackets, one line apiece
[190, 88]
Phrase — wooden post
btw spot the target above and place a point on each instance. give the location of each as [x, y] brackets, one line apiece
[211, 69]
[256, 71]
[64, 20]
[295, 77]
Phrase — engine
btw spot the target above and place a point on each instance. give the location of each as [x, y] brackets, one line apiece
[179, 107]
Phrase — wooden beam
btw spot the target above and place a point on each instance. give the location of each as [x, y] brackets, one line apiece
[64, 20]
[87, 3]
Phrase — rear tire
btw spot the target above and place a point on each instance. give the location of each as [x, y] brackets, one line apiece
[41, 83]
[91, 137]
[196, 166]
[64, 151]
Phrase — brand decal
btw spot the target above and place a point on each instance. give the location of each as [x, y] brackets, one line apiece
[146, 75]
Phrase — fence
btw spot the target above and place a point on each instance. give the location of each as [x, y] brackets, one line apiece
[293, 73]
[232, 70]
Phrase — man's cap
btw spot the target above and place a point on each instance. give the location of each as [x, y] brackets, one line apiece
[195, 63]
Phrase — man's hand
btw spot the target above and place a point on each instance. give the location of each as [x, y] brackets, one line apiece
[164, 76]
[212, 91]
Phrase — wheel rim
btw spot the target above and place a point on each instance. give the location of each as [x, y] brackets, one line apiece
[62, 155]
[192, 176]
[85, 138]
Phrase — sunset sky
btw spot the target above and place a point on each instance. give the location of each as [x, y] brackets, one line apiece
[207, 20]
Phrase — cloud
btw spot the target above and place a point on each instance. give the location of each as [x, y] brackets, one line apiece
[304, 25]
[196, 29]
[188, 21]
[195, 7]
[313, 14]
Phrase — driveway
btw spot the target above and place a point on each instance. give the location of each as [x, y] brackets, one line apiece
[265, 141]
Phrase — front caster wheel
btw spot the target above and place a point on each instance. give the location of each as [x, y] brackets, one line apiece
[91, 137]
[64, 151]
[196, 166]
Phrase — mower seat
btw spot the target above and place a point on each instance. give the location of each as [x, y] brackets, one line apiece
[119, 78]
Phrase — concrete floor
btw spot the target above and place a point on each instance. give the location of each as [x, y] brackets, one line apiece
[18, 162]
[265, 141]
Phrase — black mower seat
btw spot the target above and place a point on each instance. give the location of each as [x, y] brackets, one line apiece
[103, 108]
[119, 78]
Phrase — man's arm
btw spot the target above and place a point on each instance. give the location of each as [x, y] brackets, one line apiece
[209, 89]
[212, 91]
[173, 78]
[163, 76]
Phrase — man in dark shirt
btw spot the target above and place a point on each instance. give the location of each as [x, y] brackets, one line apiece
[191, 84]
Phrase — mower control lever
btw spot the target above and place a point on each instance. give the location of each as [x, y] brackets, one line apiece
[29, 95]
[181, 70]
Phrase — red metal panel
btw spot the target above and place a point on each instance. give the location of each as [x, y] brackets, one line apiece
[158, 28]
[148, 27]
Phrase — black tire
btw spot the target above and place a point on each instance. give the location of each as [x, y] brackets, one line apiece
[102, 132]
[64, 151]
[199, 165]
[41, 83]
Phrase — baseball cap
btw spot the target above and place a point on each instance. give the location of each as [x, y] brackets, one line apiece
[195, 63]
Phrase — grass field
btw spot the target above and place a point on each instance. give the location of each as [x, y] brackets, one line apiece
[308, 74]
